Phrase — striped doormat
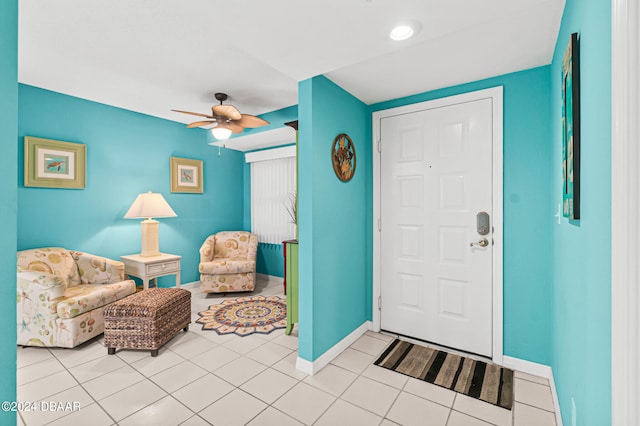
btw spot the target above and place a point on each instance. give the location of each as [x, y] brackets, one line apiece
[477, 379]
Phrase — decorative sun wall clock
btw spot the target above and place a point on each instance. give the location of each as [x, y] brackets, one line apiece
[343, 157]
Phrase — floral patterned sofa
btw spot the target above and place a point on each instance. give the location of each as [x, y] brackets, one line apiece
[62, 294]
[228, 262]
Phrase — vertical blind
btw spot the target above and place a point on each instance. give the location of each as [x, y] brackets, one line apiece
[273, 189]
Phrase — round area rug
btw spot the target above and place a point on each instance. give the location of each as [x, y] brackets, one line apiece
[245, 315]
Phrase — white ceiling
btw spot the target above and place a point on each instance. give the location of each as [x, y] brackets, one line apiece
[152, 56]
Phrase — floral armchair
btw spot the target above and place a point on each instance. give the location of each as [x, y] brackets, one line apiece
[228, 262]
[62, 294]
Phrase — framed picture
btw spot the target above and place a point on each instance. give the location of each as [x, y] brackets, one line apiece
[343, 157]
[571, 130]
[54, 164]
[186, 175]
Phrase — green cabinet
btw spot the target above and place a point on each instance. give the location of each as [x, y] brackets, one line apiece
[291, 282]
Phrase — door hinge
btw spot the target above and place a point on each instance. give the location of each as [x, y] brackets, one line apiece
[379, 224]
[379, 303]
[379, 146]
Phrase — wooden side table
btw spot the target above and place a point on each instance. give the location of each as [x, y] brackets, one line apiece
[148, 268]
[291, 277]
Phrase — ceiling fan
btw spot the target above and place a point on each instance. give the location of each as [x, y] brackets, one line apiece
[226, 118]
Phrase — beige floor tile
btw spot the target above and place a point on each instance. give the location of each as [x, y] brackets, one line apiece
[203, 392]
[154, 365]
[409, 410]
[369, 345]
[332, 379]
[240, 370]
[88, 351]
[353, 360]
[288, 341]
[48, 410]
[103, 386]
[385, 376]
[131, 356]
[192, 347]
[533, 394]
[92, 415]
[269, 353]
[96, 368]
[430, 391]
[387, 422]
[235, 409]
[38, 370]
[482, 410]
[304, 403]
[343, 413]
[178, 376]
[39, 390]
[219, 339]
[196, 421]
[134, 398]
[180, 338]
[273, 417]
[531, 378]
[459, 419]
[245, 344]
[269, 385]
[387, 338]
[275, 333]
[525, 415]
[215, 358]
[371, 395]
[166, 411]
[287, 365]
[27, 355]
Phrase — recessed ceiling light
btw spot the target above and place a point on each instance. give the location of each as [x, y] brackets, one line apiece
[401, 32]
[404, 30]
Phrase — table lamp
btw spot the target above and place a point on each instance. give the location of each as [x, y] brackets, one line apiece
[147, 206]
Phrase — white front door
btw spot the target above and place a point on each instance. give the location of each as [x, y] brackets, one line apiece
[435, 257]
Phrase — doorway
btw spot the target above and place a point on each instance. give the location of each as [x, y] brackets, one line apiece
[438, 221]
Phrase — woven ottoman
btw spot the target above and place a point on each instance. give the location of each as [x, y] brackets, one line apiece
[146, 320]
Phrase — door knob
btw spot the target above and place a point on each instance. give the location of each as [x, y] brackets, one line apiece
[482, 243]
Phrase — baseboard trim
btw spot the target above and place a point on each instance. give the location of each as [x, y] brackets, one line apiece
[271, 278]
[539, 370]
[312, 367]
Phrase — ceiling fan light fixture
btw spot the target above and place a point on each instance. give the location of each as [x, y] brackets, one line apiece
[221, 132]
[404, 31]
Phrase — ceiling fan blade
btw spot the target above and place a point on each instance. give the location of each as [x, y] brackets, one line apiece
[193, 113]
[251, 121]
[200, 123]
[228, 111]
[234, 127]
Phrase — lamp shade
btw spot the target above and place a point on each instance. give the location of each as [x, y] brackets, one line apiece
[149, 205]
[221, 132]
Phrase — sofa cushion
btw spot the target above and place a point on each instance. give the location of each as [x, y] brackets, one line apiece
[97, 269]
[225, 266]
[85, 297]
[51, 260]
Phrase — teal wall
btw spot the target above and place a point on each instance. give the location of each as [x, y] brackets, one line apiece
[528, 211]
[127, 154]
[582, 249]
[8, 200]
[334, 222]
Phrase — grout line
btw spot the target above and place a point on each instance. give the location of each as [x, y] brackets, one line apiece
[532, 381]
[534, 406]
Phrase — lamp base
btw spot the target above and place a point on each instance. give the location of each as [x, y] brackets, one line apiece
[150, 238]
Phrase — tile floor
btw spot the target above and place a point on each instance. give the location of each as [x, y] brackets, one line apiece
[201, 378]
